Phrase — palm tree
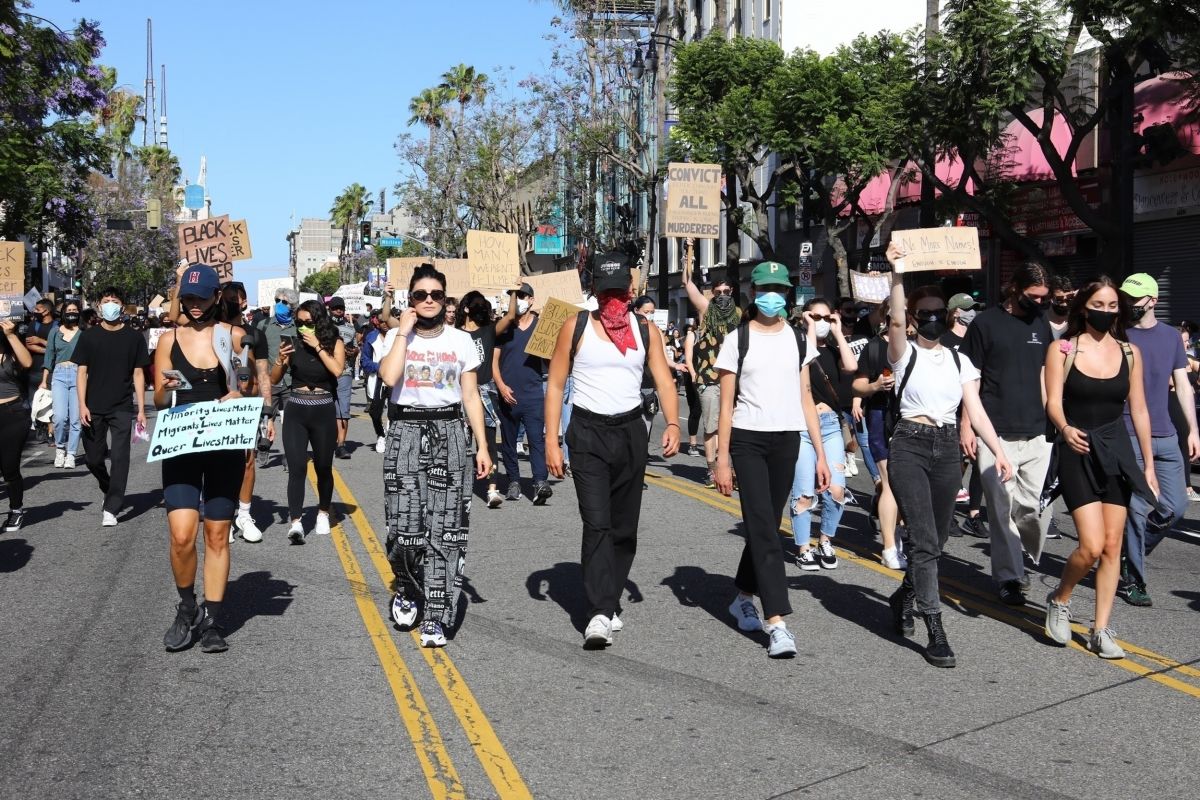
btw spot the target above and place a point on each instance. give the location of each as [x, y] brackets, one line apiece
[429, 109]
[120, 116]
[465, 85]
[348, 210]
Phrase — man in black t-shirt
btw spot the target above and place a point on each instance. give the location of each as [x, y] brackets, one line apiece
[112, 391]
[1008, 344]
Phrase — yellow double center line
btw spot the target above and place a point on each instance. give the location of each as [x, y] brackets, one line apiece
[431, 750]
[963, 595]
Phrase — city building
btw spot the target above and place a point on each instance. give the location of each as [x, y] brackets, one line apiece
[312, 247]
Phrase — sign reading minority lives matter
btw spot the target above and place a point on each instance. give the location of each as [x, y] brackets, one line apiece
[493, 260]
[12, 279]
[208, 241]
[939, 249]
[200, 427]
[693, 200]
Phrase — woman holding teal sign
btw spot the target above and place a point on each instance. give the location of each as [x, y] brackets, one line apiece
[194, 364]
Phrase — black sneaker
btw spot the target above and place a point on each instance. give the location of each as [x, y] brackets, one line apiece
[16, 518]
[1011, 594]
[807, 560]
[973, 526]
[211, 640]
[514, 491]
[179, 635]
[341, 453]
[541, 493]
[826, 555]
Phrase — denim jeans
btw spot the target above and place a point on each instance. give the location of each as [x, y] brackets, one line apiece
[1147, 525]
[804, 481]
[859, 429]
[924, 473]
[66, 408]
[567, 405]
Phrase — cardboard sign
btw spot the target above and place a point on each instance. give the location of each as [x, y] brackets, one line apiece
[400, 270]
[239, 241]
[267, 287]
[152, 337]
[200, 427]
[12, 279]
[207, 241]
[873, 288]
[693, 201]
[458, 275]
[157, 301]
[494, 260]
[562, 285]
[551, 318]
[939, 249]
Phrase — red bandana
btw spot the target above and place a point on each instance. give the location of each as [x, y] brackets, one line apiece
[614, 318]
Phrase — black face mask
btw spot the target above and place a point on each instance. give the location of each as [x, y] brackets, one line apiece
[1061, 310]
[723, 302]
[428, 323]
[1028, 306]
[931, 330]
[233, 310]
[1101, 320]
[71, 319]
[1138, 312]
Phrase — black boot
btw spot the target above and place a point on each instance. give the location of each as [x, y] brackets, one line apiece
[938, 651]
[902, 611]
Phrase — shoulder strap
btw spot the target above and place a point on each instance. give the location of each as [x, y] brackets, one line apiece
[743, 344]
[801, 343]
[908, 370]
[957, 362]
[581, 320]
[644, 328]
[1127, 349]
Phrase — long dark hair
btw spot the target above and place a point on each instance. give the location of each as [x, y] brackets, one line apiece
[1077, 315]
[474, 306]
[326, 332]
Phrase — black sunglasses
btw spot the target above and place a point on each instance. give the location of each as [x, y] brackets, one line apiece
[725, 291]
[973, 307]
[824, 317]
[930, 314]
[420, 295]
[285, 302]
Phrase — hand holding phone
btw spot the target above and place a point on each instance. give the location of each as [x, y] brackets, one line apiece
[174, 376]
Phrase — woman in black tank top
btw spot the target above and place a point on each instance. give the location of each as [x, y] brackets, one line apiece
[1090, 375]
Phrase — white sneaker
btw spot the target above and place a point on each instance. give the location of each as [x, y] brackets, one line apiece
[322, 526]
[296, 532]
[616, 624]
[494, 498]
[783, 643]
[381, 445]
[520, 448]
[963, 496]
[109, 520]
[69, 462]
[598, 633]
[60, 457]
[1103, 643]
[246, 527]
[851, 466]
[746, 614]
[890, 559]
[404, 611]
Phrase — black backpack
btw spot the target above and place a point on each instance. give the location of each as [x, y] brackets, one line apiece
[743, 346]
[581, 320]
[892, 415]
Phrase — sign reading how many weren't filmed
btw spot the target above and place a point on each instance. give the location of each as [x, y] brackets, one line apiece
[693, 201]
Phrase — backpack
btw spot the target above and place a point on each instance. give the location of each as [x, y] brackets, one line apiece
[891, 415]
[582, 319]
[743, 346]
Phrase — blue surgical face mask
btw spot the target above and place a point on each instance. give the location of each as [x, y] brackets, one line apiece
[110, 312]
[283, 313]
[771, 303]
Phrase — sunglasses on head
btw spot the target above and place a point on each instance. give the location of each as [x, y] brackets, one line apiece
[726, 291]
[420, 295]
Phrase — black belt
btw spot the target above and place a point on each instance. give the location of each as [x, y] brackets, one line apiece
[608, 419]
[398, 413]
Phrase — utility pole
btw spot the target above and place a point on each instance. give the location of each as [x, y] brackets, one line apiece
[928, 218]
[149, 129]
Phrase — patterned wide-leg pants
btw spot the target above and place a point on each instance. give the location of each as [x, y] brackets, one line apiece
[427, 471]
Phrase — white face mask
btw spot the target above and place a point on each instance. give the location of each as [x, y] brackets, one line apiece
[823, 329]
[522, 306]
[967, 317]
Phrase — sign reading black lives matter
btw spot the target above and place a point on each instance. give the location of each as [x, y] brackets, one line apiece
[198, 427]
[693, 201]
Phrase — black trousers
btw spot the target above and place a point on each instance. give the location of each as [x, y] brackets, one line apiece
[14, 430]
[114, 476]
[693, 401]
[308, 423]
[765, 463]
[608, 464]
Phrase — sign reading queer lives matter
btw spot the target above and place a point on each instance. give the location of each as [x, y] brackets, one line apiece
[207, 241]
[551, 318]
[939, 248]
[693, 200]
[493, 260]
[199, 427]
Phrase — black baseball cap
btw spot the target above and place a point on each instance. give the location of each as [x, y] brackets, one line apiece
[337, 302]
[610, 271]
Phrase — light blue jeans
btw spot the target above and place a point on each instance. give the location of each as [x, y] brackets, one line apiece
[567, 406]
[804, 481]
[66, 407]
[1147, 525]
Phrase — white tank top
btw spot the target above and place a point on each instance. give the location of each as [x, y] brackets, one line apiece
[605, 381]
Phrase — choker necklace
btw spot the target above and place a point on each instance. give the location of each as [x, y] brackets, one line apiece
[431, 333]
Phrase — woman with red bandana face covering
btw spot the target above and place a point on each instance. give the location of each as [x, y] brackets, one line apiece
[606, 354]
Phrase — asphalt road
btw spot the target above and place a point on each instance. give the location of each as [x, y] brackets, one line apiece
[320, 696]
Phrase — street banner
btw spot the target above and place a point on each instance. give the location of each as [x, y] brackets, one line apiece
[12, 279]
[693, 201]
[494, 260]
[200, 427]
[871, 287]
[267, 287]
[553, 315]
[239, 241]
[939, 249]
[207, 241]
[563, 285]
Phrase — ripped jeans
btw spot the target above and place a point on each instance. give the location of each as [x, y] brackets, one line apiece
[804, 482]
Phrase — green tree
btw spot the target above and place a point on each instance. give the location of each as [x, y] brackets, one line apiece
[348, 210]
[429, 109]
[324, 283]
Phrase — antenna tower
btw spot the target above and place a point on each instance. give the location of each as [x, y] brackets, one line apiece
[162, 121]
[149, 129]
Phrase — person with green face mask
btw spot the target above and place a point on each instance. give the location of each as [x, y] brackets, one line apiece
[112, 392]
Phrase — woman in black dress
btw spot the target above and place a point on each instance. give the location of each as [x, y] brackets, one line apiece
[1090, 375]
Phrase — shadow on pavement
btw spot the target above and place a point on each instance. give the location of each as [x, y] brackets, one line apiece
[563, 583]
[51, 511]
[254, 594]
[14, 554]
[694, 587]
[864, 607]
[139, 504]
[1192, 598]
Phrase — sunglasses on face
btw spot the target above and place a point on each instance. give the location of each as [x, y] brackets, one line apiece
[824, 317]
[281, 301]
[304, 323]
[930, 314]
[725, 291]
[420, 295]
[973, 307]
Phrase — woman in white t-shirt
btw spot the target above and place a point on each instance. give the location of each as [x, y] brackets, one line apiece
[924, 462]
[427, 474]
[766, 401]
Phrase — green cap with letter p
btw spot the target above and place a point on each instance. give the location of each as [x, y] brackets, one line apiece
[1140, 285]
[770, 273]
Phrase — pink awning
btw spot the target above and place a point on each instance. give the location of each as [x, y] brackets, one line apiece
[1163, 99]
[948, 169]
[1024, 159]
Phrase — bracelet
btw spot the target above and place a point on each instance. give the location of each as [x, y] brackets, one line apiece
[676, 424]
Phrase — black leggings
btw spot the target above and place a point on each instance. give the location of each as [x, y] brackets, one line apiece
[14, 430]
[309, 422]
[693, 401]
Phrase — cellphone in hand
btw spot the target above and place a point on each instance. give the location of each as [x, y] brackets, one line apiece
[176, 375]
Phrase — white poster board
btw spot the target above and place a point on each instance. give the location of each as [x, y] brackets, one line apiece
[267, 287]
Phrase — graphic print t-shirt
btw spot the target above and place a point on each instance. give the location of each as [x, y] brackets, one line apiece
[433, 369]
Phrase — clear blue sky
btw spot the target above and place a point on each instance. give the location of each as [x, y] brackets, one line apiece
[293, 101]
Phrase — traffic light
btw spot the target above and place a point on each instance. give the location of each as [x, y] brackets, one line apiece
[153, 213]
[366, 233]
[77, 282]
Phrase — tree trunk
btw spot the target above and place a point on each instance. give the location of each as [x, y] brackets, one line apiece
[733, 232]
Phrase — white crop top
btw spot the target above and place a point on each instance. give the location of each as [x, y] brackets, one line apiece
[935, 388]
[605, 380]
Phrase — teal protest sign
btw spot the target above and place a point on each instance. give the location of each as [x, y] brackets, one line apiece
[197, 427]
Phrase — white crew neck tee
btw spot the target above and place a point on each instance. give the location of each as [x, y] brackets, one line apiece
[770, 382]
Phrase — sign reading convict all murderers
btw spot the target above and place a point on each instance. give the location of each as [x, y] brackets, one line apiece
[693, 201]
